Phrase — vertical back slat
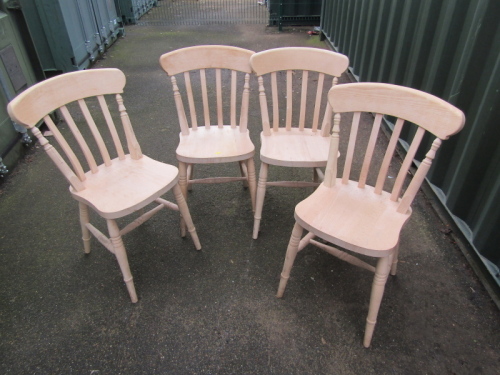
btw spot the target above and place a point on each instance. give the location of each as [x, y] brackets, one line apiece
[289, 101]
[180, 107]
[204, 96]
[303, 99]
[419, 177]
[405, 167]
[244, 104]
[276, 108]
[370, 148]
[111, 127]
[95, 132]
[331, 166]
[389, 153]
[133, 146]
[317, 103]
[327, 119]
[263, 107]
[74, 180]
[75, 163]
[218, 90]
[190, 97]
[350, 147]
[79, 139]
[233, 98]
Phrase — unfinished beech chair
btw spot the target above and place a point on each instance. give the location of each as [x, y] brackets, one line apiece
[217, 74]
[358, 217]
[297, 135]
[117, 187]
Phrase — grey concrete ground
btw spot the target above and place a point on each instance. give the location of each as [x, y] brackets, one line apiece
[214, 311]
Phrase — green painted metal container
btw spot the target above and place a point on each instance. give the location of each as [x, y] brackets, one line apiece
[16, 74]
[70, 35]
[131, 10]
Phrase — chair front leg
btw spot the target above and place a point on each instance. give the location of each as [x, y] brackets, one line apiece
[121, 257]
[259, 201]
[394, 266]
[84, 220]
[378, 286]
[183, 184]
[186, 216]
[291, 253]
[252, 181]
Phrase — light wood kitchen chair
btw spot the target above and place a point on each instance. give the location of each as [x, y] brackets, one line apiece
[297, 134]
[120, 185]
[364, 219]
[217, 75]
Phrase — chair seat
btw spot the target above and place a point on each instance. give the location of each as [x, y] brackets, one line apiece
[295, 148]
[215, 145]
[126, 186]
[353, 218]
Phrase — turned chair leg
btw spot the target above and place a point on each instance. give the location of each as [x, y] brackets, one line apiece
[315, 175]
[186, 216]
[183, 184]
[84, 220]
[291, 253]
[259, 201]
[190, 175]
[378, 286]
[244, 172]
[121, 257]
[394, 266]
[252, 181]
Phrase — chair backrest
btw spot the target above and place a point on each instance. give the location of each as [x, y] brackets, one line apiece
[71, 94]
[424, 110]
[299, 67]
[201, 64]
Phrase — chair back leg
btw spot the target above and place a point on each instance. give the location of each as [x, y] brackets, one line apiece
[252, 181]
[186, 220]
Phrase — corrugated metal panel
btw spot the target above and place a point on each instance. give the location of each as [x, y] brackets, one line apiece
[450, 48]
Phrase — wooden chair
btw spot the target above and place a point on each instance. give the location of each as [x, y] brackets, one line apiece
[226, 139]
[117, 187]
[295, 137]
[358, 217]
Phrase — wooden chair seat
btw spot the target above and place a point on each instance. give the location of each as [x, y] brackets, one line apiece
[353, 218]
[126, 186]
[215, 145]
[294, 148]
